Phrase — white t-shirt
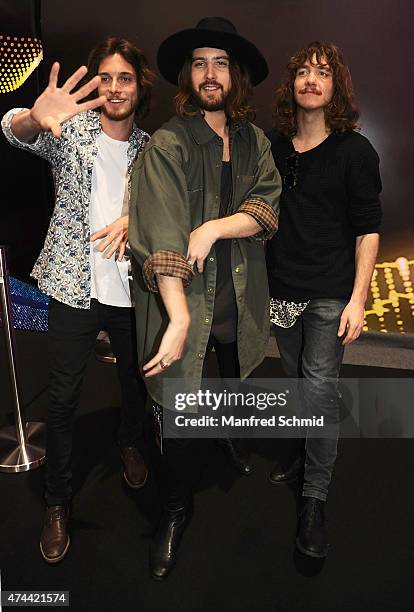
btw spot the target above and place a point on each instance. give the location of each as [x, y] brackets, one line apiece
[109, 278]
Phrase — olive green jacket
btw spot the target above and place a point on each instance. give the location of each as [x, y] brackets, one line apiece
[175, 188]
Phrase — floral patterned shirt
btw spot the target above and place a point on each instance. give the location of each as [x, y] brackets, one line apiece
[63, 266]
[285, 314]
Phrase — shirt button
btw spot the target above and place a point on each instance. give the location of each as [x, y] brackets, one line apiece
[206, 320]
[217, 197]
[237, 270]
[211, 258]
[210, 290]
[200, 355]
[240, 298]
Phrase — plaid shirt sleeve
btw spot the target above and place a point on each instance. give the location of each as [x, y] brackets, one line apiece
[167, 263]
[263, 214]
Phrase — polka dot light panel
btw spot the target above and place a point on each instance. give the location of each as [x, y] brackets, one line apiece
[390, 305]
[19, 56]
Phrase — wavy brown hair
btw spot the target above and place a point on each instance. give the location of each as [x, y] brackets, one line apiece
[134, 56]
[237, 106]
[340, 114]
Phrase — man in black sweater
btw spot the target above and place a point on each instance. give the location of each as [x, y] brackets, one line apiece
[320, 262]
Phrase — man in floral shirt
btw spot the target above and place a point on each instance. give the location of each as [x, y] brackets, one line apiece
[91, 153]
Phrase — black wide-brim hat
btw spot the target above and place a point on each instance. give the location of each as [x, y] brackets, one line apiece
[214, 32]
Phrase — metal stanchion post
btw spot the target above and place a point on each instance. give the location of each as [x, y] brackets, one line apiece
[22, 446]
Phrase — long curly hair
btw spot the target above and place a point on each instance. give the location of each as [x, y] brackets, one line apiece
[340, 114]
[237, 106]
[132, 55]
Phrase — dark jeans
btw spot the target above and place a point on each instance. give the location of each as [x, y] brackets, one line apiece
[180, 468]
[71, 340]
[312, 351]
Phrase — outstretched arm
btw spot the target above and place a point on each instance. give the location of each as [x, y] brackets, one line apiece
[173, 340]
[56, 105]
[158, 235]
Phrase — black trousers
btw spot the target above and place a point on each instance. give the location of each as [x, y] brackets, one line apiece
[71, 340]
[180, 468]
[227, 359]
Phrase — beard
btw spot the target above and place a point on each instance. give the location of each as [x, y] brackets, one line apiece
[209, 102]
[118, 114]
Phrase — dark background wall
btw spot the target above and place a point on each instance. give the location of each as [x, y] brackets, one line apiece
[25, 202]
[375, 36]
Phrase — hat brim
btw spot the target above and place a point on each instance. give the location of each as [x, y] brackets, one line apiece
[176, 48]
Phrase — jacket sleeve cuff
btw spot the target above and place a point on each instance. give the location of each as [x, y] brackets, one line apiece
[263, 214]
[168, 263]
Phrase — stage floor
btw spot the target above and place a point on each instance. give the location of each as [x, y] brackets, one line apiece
[238, 552]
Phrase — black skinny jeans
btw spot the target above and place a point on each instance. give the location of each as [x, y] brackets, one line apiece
[71, 340]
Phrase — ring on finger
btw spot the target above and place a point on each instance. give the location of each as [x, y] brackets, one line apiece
[164, 364]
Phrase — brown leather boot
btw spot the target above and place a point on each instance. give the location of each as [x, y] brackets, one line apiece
[55, 541]
[135, 470]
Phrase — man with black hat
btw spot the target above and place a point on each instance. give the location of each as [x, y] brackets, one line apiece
[204, 197]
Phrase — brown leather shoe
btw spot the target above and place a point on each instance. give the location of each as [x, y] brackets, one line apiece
[135, 470]
[55, 541]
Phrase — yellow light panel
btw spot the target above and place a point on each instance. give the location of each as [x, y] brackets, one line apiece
[19, 56]
[390, 308]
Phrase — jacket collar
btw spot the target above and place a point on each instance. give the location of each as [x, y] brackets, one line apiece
[203, 133]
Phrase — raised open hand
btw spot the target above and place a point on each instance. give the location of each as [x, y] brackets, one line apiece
[57, 104]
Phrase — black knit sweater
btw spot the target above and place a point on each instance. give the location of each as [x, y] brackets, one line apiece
[335, 199]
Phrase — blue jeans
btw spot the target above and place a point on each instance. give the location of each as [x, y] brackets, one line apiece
[311, 350]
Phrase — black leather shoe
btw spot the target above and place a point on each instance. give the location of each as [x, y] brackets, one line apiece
[237, 454]
[278, 476]
[312, 539]
[55, 541]
[164, 547]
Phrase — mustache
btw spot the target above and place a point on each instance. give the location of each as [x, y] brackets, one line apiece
[310, 90]
[210, 83]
